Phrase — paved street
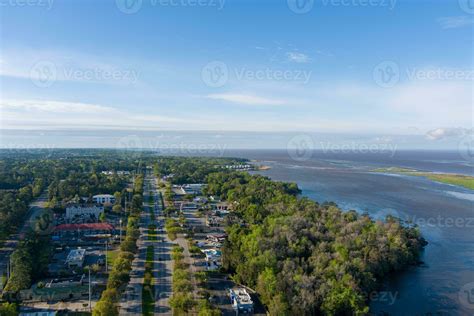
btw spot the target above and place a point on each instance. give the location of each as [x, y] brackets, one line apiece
[131, 303]
[163, 266]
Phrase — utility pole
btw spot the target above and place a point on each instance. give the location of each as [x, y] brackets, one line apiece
[8, 269]
[90, 293]
[126, 198]
[120, 221]
[106, 263]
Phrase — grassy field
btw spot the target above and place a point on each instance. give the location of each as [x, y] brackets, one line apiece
[148, 292]
[448, 178]
[455, 179]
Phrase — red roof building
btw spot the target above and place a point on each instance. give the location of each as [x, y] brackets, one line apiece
[86, 226]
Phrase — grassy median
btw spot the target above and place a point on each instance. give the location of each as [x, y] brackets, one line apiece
[148, 292]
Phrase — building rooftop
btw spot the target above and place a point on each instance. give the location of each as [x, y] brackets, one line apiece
[76, 255]
[241, 298]
[103, 195]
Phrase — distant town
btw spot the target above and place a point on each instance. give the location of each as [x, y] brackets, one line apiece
[165, 239]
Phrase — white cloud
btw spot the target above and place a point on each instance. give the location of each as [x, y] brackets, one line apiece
[440, 103]
[66, 66]
[442, 133]
[452, 22]
[245, 99]
[31, 114]
[299, 58]
[53, 106]
[324, 53]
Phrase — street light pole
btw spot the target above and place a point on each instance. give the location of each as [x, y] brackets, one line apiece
[90, 294]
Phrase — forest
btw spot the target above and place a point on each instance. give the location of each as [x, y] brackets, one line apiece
[21, 180]
[191, 169]
[306, 258]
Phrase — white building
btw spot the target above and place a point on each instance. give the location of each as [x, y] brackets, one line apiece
[213, 259]
[75, 258]
[185, 189]
[104, 199]
[241, 300]
[119, 172]
[83, 210]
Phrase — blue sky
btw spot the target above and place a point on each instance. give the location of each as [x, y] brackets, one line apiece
[384, 68]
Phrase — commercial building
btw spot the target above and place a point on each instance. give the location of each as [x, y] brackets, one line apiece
[119, 172]
[75, 258]
[241, 300]
[83, 210]
[73, 288]
[188, 189]
[87, 230]
[213, 259]
[103, 199]
[217, 237]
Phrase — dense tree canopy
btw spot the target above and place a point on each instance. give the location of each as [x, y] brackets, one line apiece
[191, 169]
[306, 258]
